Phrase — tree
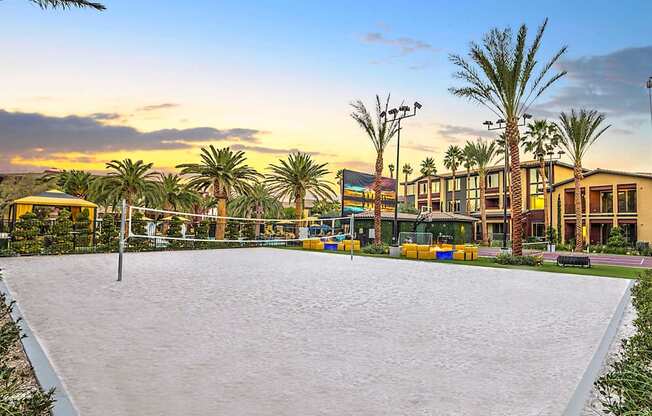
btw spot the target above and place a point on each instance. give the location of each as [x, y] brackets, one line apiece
[61, 234]
[429, 168]
[174, 231]
[452, 160]
[338, 177]
[482, 153]
[26, 234]
[380, 134]
[108, 237]
[223, 171]
[541, 138]
[258, 203]
[174, 195]
[391, 168]
[501, 76]
[73, 182]
[326, 208]
[469, 163]
[128, 180]
[66, 4]
[82, 229]
[407, 171]
[578, 131]
[297, 176]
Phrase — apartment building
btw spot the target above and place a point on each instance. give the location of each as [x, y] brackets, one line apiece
[609, 198]
[441, 198]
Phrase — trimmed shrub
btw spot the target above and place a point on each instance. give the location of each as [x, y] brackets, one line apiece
[82, 228]
[376, 249]
[174, 230]
[60, 238]
[108, 238]
[616, 238]
[26, 234]
[518, 260]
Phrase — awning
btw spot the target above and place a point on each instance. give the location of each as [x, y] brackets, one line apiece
[54, 198]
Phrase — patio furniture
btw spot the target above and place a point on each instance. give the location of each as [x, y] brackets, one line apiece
[581, 261]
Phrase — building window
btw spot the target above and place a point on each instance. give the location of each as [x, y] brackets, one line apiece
[607, 202]
[423, 188]
[538, 230]
[434, 187]
[473, 187]
[627, 200]
[454, 206]
[629, 232]
[536, 189]
[458, 184]
[492, 180]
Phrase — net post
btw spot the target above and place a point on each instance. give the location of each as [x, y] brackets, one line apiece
[121, 243]
[351, 232]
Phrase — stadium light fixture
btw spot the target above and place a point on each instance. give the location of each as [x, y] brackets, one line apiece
[649, 92]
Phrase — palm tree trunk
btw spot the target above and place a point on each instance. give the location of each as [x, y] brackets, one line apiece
[220, 229]
[259, 215]
[579, 243]
[377, 200]
[405, 189]
[546, 208]
[298, 206]
[483, 210]
[453, 194]
[512, 136]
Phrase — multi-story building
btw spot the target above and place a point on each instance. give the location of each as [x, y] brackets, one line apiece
[613, 198]
[609, 199]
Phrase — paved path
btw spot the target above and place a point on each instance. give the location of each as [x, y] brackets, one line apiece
[608, 259]
[266, 332]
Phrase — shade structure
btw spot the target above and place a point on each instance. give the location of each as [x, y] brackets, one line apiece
[52, 198]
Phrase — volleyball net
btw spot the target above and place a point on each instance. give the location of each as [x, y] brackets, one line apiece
[165, 227]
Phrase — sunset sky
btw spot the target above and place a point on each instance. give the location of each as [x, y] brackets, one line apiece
[156, 80]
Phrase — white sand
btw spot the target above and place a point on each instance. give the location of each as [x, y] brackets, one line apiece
[277, 332]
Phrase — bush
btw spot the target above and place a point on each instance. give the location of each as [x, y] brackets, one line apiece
[551, 235]
[376, 249]
[518, 260]
[108, 238]
[616, 238]
[174, 230]
[625, 389]
[17, 396]
[26, 235]
[139, 227]
[82, 228]
[60, 238]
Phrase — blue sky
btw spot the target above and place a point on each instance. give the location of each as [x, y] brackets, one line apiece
[288, 69]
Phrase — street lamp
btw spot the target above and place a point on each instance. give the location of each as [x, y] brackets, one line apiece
[551, 159]
[404, 109]
[501, 124]
[649, 91]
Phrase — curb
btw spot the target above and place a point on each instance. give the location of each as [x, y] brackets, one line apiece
[45, 374]
[578, 400]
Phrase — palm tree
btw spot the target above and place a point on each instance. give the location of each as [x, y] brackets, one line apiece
[338, 177]
[66, 4]
[391, 168]
[222, 171]
[578, 131]
[541, 138]
[452, 160]
[174, 195]
[469, 163]
[407, 171]
[482, 153]
[429, 168]
[257, 202]
[73, 182]
[501, 76]
[128, 180]
[297, 176]
[380, 134]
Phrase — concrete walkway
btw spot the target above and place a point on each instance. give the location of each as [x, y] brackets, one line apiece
[280, 332]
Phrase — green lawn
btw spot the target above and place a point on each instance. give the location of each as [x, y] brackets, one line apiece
[595, 270]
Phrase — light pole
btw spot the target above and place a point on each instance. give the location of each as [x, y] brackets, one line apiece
[501, 125]
[649, 93]
[551, 159]
[397, 118]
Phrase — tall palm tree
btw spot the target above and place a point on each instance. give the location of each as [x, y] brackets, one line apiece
[501, 76]
[174, 194]
[407, 171]
[339, 176]
[128, 180]
[468, 162]
[298, 176]
[257, 202]
[221, 171]
[452, 160]
[429, 168]
[66, 4]
[391, 168]
[73, 182]
[578, 131]
[380, 134]
[482, 153]
[540, 138]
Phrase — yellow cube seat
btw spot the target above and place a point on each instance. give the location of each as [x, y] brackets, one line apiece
[459, 255]
[423, 247]
[407, 247]
[307, 244]
[411, 254]
[446, 247]
[340, 246]
[426, 255]
[348, 243]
